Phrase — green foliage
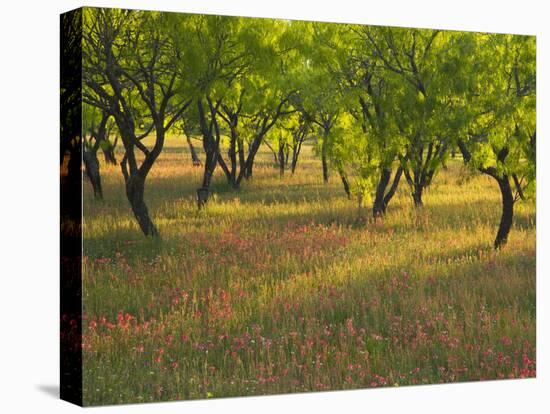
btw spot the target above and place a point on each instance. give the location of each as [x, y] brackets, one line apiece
[501, 134]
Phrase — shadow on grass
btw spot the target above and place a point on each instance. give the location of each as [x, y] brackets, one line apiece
[429, 219]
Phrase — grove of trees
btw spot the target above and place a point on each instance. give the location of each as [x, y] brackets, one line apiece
[384, 106]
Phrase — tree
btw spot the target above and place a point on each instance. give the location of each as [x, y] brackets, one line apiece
[276, 103]
[300, 129]
[320, 97]
[368, 144]
[96, 127]
[224, 53]
[239, 91]
[500, 140]
[373, 104]
[288, 138]
[189, 131]
[129, 71]
[418, 63]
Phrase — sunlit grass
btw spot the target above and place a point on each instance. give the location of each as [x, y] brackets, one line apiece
[286, 285]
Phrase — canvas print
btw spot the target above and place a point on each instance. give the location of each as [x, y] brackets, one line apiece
[256, 206]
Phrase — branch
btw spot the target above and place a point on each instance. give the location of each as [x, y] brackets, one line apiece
[177, 115]
[519, 189]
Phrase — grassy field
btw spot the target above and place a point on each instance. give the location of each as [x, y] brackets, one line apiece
[287, 286]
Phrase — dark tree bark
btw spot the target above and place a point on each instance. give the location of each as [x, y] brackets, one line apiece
[519, 188]
[211, 149]
[382, 199]
[194, 157]
[378, 208]
[252, 151]
[508, 200]
[417, 195]
[240, 149]
[249, 164]
[345, 182]
[108, 147]
[246, 173]
[203, 191]
[325, 122]
[135, 188]
[294, 161]
[282, 159]
[420, 166]
[249, 170]
[109, 155]
[507, 216]
[298, 138]
[91, 165]
[389, 195]
[233, 155]
[89, 155]
[324, 160]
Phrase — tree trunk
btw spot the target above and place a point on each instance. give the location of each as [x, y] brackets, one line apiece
[233, 157]
[382, 198]
[293, 164]
[246, 168]
[209, 167]
[135, 187]
[109, 155]
[240, 149]
[508, 201]
[324, 159]
[507, 211]
[295, 152]
[345, 182]
[252, 151]
[211, 149]
[248, 173]
[389, 195]
[417, 195]
[194, 157]
[379, 208]
[203, 191]
[92, 171]
[281, 160]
